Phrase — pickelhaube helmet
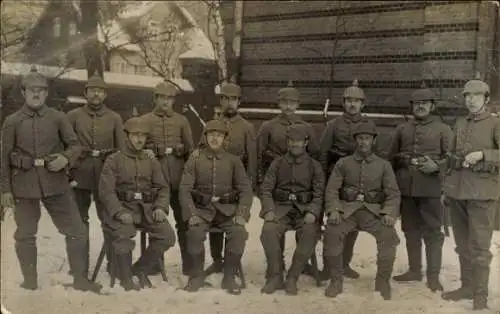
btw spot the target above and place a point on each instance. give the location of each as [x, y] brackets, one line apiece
[422, 94]
[96, 81]
[476, 86]
[230, 89]
[215, 125]
[166, 88]
[289, 93]
[365, 128]
[34, 79]
[136, 125]
[354, 91]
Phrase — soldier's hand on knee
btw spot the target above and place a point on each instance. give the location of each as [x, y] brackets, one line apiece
[474, 157]
[388, 220]
[270, 216]
[428, 166]
[195, 220]
[58, 163]
[150, 153]
[8, 200]
[309, 218]
[159, 215]
[239, 220]
[125, 218]
[334, 218]
[195, 153]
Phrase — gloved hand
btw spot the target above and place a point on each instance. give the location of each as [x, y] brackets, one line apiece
[149, 153]
[8, 200]
[58, 163]
[388, 220]
[159, 215]
[125, 218]
[239, 220]
[474, 157]
[195, 220]
[195, 153]
[334, 218]
[309, 218]
[428, 166]
[270, 216]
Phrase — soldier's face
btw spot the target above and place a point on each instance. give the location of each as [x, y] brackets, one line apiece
[422, 109]
[215, 139]
[475, 102]
[365, 143]
[164, 102]
[297, 147]
[353, 106]
[288, 106]
[35, 96]
[138, 140]
[217, 113]
[229, 102]
[95, 95]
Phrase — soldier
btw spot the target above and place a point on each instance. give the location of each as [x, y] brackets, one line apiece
[362, 192]
[38, 144]
[135, 194]
[100, 133]
[271, 137]
[240, 142]
[215, 191]
[292, 199]
[171, 141]
[418, 153]
[336, 142]
[471, 188]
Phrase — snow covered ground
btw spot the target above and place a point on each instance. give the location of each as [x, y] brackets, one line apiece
[358, 296]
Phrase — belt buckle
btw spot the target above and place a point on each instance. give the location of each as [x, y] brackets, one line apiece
[414, 161]
[137, 196]
[39, 162]
[168, 150]
[360, 198]
[292, 197]
[96, 153]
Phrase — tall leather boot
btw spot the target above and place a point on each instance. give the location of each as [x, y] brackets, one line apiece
[384, 271]
[146, 262]
[124, 262]
[216, 247]
[433, 254]
[350, 241]
[335, 267]
[76, 258]
[465, 291]
[231, 263]
[299, 261]
[27, 256]
[196, 276]
[274, 272]
[480, 287]
[414, 250]
[185, 258]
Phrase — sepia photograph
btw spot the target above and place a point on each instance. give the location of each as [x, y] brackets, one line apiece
[252, 157]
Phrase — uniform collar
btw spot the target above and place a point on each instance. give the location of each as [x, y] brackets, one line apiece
[360, 158]
[211, 154]
[427, 120]
[157, 111]
[233, 119]
[350, 118]
[480, 116]
[132, 153]
[295, 160]
[100, 112]
[31, 113]
[291, 119]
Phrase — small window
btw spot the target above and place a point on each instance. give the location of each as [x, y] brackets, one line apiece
[72, 28]
[57, 27]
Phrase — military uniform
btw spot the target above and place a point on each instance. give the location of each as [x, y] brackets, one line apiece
[416, 144]
[471, 192]
[240, 142]
[100, 133]
[37, 145]
[171, 140]
[215, 191]
[361, 191]
[292, 189]
[337, 142]
[133, 184]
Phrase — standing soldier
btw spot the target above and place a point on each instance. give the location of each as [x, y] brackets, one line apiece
[100, 133]
[337, 142]
[171, 141]
[471, 188]
[362, 192]
[135, 193]
[240, 142]
[292, 199]
[418, 153]
[38, 144]
[215, 191]
[272, 136]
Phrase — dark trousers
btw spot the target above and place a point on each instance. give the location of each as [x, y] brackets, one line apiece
[181, 226]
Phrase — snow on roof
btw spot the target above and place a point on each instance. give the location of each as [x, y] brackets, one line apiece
[199, 45]
[80, 75]
[113, 36]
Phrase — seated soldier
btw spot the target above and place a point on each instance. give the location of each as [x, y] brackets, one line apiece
[135, 194]
[362, 192]
[215, 191]
[292, 199]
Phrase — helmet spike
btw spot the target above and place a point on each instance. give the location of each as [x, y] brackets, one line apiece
[290, 83]
[355, 82]
[478, 75]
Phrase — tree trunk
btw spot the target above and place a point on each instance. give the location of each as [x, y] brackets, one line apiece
[92, 49]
